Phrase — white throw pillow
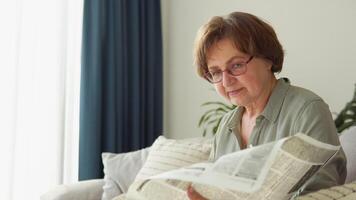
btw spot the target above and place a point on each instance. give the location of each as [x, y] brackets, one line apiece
[120, 171]
[168, 154]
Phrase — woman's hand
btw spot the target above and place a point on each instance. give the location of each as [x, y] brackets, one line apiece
[193, 195]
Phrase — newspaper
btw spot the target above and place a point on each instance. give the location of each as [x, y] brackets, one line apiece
[271, 171]
[342, 192]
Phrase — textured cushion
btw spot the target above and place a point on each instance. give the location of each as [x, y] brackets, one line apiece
[348, 143]
[120, 171]
[168, 154]
[120, 197]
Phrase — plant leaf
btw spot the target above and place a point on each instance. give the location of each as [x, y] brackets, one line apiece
[210, 120]
[217, 103]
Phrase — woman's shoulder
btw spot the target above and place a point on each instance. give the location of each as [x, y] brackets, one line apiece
[298, 100]
[292, 96]
[304, 107]
[301, 96]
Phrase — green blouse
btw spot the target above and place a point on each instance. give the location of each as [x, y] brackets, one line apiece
[289, 110]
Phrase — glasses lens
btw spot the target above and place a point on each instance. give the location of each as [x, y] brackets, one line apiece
[238, 70]
[235, 70]
[217, 77]
[213, 78]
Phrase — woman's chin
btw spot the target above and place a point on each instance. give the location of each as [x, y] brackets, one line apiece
[239, 100]
[235, 101]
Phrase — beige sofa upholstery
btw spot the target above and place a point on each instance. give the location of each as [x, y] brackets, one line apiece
[83, 190]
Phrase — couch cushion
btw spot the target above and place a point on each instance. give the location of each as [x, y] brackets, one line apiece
[120, 171]
[348, 143]
[168, 154]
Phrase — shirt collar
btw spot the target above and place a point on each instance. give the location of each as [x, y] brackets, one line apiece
[235, 118]
[276, 99]
[273, 106]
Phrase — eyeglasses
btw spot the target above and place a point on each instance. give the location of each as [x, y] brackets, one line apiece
[236, 69]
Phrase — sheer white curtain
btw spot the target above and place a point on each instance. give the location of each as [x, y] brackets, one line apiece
[40, 43]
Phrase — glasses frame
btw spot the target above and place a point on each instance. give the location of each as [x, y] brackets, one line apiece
[244, 64]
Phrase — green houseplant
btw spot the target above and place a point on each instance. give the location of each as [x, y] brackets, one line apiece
[347, 116]
[211, 119]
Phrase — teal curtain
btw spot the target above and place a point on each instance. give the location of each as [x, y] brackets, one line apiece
[121, 80]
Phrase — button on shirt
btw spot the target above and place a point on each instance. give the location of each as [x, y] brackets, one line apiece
[289, 110]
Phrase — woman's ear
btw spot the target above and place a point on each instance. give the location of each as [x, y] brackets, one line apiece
[269, 64]
[270, 67]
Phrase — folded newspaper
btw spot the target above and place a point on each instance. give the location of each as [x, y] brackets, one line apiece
[271, 171]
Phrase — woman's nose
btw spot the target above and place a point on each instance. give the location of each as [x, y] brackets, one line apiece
[227, 79]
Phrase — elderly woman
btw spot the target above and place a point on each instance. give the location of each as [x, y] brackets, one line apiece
[239, 54]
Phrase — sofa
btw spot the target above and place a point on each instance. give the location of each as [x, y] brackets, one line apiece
[93, 189]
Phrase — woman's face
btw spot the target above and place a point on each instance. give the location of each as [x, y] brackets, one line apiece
[246, 88]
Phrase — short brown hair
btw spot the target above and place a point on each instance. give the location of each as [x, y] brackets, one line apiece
[250, 35]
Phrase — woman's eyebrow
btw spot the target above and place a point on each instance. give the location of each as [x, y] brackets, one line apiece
[228, 62]
[213, 68]
[233, 58]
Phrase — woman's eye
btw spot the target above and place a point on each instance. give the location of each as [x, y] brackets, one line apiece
[236, 66]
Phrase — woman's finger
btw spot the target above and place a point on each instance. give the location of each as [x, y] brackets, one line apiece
[193, 195]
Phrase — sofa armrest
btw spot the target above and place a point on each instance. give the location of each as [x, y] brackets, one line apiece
[82, 190]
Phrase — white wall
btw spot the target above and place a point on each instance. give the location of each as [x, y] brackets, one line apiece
[318, 37]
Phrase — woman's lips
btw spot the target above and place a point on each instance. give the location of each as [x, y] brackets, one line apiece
[235, 92]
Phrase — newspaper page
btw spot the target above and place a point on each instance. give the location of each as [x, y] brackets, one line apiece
[342, 192]
[271, 171]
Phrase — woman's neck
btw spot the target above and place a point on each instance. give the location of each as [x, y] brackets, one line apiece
[256, 108]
